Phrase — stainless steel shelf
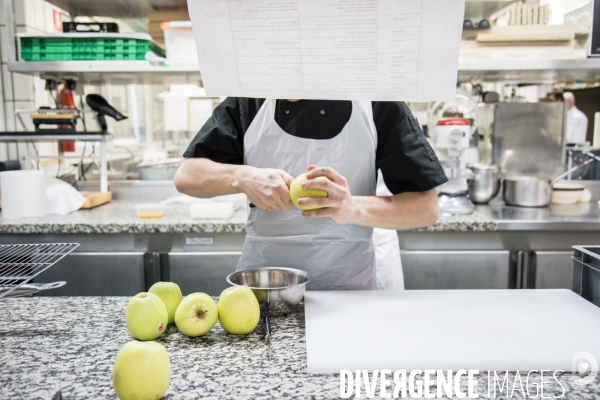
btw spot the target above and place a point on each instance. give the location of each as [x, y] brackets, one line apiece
[85, 137]
[103, 66]
[103, 71]
[524, 65]
[505, 70]
[135, 8]
[117, 8]
[17, 137]
[529, 71]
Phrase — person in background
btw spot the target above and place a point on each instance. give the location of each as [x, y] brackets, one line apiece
[556, 97]
[577, 122]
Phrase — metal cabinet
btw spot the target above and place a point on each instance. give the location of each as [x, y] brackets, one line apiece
[199, 271]
[457, 270]
[552, 269]
[97, 274]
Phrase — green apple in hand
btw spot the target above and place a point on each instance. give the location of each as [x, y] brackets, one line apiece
[146, 316]
[170, 294]
[142, 370]
[196, 315]
[296, 192]
[239, 311]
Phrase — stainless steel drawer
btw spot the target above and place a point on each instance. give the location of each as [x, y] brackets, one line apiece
[456, 269]
[97, 274]
[200, 271]
[553, 269]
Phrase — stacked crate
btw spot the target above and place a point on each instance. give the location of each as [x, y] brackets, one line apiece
[86, 47]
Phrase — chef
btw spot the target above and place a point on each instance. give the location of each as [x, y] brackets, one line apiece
[577, 122]
[257, 147]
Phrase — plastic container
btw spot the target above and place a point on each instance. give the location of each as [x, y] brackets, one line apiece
[79, 46]
[179, 40]
[150, 210]
[566, 193]
[586, 273]
[211, 210]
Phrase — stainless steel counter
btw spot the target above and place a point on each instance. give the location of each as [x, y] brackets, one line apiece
[576, 217]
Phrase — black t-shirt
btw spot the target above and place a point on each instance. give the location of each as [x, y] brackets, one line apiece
[406, 160]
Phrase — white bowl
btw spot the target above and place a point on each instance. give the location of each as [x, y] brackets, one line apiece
[567, 193]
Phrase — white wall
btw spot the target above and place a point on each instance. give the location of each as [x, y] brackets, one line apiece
[18, 90]
[558, 9]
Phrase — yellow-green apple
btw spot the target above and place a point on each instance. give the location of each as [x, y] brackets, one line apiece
[296, 192]
[146, 316]
[170, 294]
[238, 310]
[196, 315]
[142, 370]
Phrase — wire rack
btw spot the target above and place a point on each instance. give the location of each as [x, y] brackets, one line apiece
[20, 263]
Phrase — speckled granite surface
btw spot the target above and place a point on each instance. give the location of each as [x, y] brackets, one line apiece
[476, 222]
[69, 344]
[120, 217]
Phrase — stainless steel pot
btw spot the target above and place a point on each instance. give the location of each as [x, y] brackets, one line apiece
[527, 191]
[531, 191]
[278, 290]
[485, 183]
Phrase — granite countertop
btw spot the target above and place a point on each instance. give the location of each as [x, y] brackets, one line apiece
[119, 216]
[69, 344]
[476, 222]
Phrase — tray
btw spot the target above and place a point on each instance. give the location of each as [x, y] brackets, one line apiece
[586, 273]
[20, 263]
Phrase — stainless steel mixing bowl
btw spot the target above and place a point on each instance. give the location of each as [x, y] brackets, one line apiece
[278, 290]
[484, 185]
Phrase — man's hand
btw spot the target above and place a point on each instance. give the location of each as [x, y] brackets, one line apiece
[339, 204]
[268, 189]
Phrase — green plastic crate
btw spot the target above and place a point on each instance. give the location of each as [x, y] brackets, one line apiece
[86, 48]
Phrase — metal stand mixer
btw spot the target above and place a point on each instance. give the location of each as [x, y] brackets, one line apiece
[452, 125]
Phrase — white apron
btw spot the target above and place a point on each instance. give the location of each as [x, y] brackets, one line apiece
[337, 257]
[387, 252]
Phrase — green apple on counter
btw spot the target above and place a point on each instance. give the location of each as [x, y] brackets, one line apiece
[239, 311]
[171, 296]
[142, 370]
[146, 316]
[296, 192]
[196, 315]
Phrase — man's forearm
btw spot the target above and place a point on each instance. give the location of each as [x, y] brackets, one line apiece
[401, 212]
[267, 188]
[201, 177]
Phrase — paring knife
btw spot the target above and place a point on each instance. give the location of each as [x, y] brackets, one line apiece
[267, 329]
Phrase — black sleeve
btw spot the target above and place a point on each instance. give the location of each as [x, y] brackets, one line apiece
[406, 160]
[221, 139]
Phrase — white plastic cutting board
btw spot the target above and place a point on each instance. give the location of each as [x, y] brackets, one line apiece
[449, 329]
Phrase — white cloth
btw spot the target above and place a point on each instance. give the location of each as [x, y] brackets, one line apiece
[387, 251]
[577, 124]
[337, 257]
[62, 198]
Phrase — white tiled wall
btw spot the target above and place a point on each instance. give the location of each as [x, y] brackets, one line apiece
[18, 90]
